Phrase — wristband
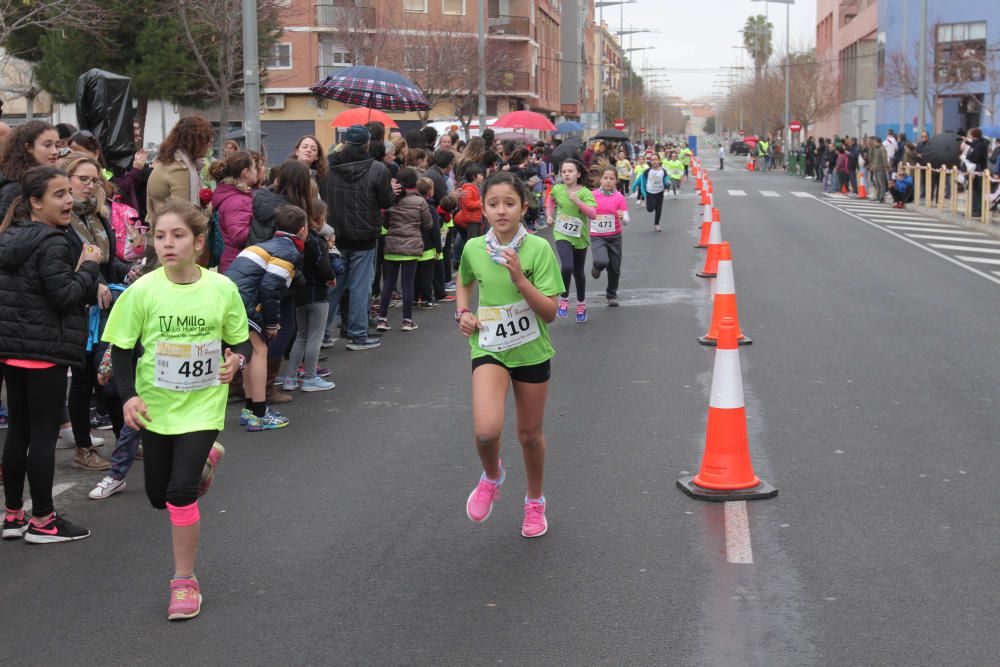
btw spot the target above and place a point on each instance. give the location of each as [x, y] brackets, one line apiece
[460, 312]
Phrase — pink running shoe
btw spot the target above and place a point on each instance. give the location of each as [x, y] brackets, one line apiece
[185, 599]
[480, 503]
[534, 524]
[208, 472]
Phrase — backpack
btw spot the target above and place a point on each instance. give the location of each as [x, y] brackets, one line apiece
[216, 245]
[130, 232]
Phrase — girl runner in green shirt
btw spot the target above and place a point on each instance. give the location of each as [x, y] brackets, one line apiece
[570, 209]
[518, 282]
[193, 328]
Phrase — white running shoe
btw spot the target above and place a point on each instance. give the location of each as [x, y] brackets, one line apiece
[106, 488]
[68, 441]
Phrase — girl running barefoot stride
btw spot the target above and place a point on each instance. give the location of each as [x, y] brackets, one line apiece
[518, 281]
[193, 329]
[571, 207]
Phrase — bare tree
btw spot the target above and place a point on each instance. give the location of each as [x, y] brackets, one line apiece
[18, 16]
[17, 79]
[902, 75]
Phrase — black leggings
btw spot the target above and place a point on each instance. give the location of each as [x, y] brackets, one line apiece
[81, 387]
[425, 279]
[35, 407]
[406, 271]
[173, 465]
[654, 202]
[573, 263]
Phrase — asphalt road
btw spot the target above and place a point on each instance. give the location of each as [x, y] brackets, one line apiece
[871, 391]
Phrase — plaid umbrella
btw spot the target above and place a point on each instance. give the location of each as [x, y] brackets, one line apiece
[372, 87]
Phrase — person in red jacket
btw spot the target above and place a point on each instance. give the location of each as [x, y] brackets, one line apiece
[469, 216]
[232, 201]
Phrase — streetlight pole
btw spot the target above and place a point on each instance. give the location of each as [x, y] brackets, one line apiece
[788, 65]
[922, 67]
[482, 66]
[251, 78]
[600, 57]
[621, 34]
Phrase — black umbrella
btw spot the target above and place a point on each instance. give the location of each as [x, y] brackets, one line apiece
[943, 150]
[611, 134]
[564, 151]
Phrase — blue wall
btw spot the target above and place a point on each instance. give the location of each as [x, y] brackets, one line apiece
[890, 20]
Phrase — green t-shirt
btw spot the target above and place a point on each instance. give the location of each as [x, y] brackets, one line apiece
[539, 264]
[675, 169]
[155, 310]
[565, 207]
[686, 156]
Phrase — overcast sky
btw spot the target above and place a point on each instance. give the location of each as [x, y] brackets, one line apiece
[695, 36]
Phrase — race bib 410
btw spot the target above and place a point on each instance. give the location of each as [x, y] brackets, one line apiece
[505, 327]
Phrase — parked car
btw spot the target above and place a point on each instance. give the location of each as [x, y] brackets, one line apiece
[739, 148]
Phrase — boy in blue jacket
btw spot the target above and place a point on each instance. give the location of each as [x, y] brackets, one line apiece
[263, 273]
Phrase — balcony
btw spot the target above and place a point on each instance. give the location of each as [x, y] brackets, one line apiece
[509, 81]
[346, 14]
[503, 24]
[323, 71]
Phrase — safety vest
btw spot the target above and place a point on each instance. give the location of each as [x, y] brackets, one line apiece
[762, 148]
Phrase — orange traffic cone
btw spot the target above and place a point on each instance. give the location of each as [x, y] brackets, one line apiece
[862, 191]
[724, 304]
[711, 188]
[711, 267]
[726, 471]
[749, 165]
[698, 183]
[706, 230]
[705, 199]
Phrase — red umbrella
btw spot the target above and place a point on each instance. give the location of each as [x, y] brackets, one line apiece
[360, 116]
[525, 120]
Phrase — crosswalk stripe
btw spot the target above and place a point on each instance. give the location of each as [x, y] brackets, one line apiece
[937, 230]
[804, 195]
[737, 193]
[910, 228]
[931, 237]
[769, 193]
[980, 260]
[915, 223]
[996, 273]
[945, 246]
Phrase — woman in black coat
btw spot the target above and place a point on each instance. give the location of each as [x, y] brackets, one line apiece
[44, 287]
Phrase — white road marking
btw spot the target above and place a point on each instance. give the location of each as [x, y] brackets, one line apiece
[737, 193]
[952, 238]
[947, 246]
[981, 260]
[57, 490]
[769, 193]
[917, 219]
[738, 547]
[804, 195]
[932, 229]
[946, 258]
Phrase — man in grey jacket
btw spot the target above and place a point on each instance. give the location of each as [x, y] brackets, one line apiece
[878, 167]
[356, 190]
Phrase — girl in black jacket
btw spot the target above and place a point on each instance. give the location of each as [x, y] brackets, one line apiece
[43, 329]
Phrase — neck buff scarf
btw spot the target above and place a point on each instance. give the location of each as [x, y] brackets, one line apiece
[495, 248]
[607, 193]
[88, 226]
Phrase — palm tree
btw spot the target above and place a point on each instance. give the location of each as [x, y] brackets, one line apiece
[757, 40]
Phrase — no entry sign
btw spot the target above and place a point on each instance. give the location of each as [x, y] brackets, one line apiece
[619, 123]
[795, 126]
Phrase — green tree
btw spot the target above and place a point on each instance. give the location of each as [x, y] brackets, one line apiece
[710, 125]
[757, 40]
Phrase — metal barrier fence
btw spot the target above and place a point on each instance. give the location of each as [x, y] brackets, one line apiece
[931, 185]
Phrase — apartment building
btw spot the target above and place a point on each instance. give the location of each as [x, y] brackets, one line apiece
[613, 59]
[847, 44]
[579, 54]
[429, 41]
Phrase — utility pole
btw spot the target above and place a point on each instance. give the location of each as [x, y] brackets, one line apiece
[482, 67]
[922, 66]
[904, 47]
[600, 57]
[251, 78]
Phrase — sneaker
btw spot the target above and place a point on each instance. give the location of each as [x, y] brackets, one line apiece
[382, 325]
[245, 415]
[612, 302]
[448, 297]
[359, 344]
[581, 312]
[480, 502]
[656, 228]
[106, 488]
[56, 529]
[68, 441]
[563, 308]
[450, 287]
[595, 273]
[185, 599]
[408, 325]
[395, 303]
[428, 305]
[290, 383]
[320, 372]
[317, 384]
[99, 422]
[270, 421]
[14, 527]
[208, 471]
[328, 343]
[534, 524]
[88, 459]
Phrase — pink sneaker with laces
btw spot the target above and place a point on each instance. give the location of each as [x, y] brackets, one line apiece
[480, 503]
[534, 524]
[208, 471]
[185, 599]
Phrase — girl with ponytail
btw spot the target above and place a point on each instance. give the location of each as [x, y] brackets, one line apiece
[232, 201]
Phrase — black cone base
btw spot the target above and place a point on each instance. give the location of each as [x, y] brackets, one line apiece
[702, 274]
[759, 492]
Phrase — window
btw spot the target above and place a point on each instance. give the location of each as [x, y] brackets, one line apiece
[960, 52]
[453, 7]
[281, 56]
[415, 57]
[415, 6]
